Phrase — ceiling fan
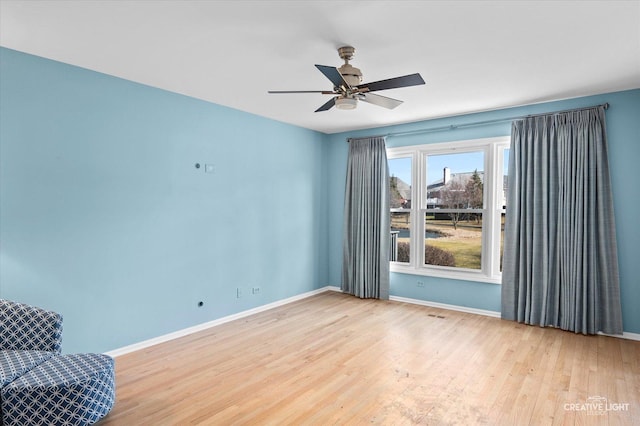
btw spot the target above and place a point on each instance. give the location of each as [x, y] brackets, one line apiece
[348, 87]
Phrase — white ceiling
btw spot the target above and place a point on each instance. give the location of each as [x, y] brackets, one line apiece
[473, 55]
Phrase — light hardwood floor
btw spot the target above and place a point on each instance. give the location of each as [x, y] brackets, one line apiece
[334, 359]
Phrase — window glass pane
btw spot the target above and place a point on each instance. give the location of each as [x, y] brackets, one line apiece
[505, 186]
[455, 180]
[501, 239]
[400, 203]
[400, 182]
[459, 246]
[400, 236]
[505, 178]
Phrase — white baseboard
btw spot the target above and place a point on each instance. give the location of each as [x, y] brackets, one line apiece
[625, 335]
[194, 329]
[495, 314]
[204, 326]
[631, 336]
[446, 306]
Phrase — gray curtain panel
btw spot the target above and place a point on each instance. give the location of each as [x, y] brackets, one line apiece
[560, 265]
[365, 266]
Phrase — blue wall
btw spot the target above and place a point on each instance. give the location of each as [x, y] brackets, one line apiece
[623, 129]
[104, 217]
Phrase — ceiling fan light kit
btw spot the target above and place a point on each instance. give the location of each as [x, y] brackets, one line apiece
[348, 87]
[346, 103]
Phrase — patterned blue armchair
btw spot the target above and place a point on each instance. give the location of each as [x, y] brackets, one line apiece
[39, 385]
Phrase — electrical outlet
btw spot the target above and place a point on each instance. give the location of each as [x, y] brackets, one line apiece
[420, 284]
[255, 290]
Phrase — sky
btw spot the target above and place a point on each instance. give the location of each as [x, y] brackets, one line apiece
[458, 163]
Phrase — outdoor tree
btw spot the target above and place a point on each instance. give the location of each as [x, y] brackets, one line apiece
[463, 195]
[395, 196]
[454, 196]
[474, 189]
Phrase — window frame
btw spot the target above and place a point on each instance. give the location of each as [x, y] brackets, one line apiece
[494, 166]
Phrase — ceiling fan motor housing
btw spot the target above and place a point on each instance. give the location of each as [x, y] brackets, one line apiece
[351, 74]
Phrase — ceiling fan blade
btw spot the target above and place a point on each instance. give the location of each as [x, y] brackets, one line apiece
[334, 75]
[324, 92]
[327, 106]
[382, 101]
[392, 83]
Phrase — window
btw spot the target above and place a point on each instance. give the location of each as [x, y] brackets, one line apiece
[448, 203]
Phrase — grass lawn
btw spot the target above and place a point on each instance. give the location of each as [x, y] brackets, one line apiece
[465, 252]
[465, 243]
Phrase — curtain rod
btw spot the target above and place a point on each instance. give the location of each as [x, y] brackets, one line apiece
[482, 123]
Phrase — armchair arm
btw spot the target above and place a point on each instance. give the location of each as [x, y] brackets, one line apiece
[25, 327]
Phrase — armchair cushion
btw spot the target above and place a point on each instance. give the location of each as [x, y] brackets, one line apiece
[25, 327]
[74, 390]
[14, 364]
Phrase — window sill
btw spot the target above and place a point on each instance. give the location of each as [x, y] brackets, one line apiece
[440, 273]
